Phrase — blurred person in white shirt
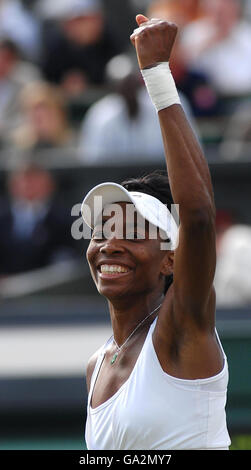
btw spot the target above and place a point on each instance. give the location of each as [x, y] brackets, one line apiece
[20, 23]
[114, 128]
[15, 73]
[219, 44]
[232, 278]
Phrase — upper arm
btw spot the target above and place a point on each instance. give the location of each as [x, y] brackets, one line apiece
[194, 268]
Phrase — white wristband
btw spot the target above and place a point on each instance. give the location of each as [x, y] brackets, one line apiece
[161, 86]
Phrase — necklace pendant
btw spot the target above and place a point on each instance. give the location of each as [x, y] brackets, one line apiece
[114, 357]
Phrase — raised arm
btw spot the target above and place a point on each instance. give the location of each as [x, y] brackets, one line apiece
[191, 187]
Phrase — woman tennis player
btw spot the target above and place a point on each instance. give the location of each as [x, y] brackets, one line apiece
[160, 382]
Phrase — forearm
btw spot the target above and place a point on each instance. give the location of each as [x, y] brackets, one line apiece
[187, 167]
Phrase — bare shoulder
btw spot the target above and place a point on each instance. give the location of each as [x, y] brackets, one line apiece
[90, 368]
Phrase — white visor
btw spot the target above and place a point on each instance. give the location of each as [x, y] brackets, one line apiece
[149, 207]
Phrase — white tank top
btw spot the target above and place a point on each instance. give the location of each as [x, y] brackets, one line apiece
[153, 410]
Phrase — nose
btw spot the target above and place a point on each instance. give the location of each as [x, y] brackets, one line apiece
[112, 245]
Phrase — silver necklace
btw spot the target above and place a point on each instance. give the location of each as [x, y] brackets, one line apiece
[115, 355]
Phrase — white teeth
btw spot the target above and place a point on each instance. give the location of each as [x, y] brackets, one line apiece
[107, 268]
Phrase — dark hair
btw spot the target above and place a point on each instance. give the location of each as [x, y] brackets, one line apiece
[155, 184]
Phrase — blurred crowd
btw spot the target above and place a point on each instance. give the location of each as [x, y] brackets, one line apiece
[68, 76]
[69, 81]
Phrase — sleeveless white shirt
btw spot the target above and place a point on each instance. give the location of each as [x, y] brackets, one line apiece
[153, 410]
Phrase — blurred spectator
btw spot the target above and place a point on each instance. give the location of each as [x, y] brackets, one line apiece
[22, 26]
[194, 83]
[35, 229]
[185, 10]
[140, 5]
[78, 46]
[121, 28]
[220, 45]
[247, 10]
[225, 219]
[232, 278]
[236, 141]
[44, 122]
[14, 75]
[124, 124]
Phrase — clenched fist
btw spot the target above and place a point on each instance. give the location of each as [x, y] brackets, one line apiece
[153, 41]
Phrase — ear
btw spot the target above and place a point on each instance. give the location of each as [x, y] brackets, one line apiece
[167, 263]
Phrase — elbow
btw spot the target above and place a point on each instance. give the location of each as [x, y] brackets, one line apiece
[200, 218]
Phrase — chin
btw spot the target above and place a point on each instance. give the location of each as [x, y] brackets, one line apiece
[111, 293]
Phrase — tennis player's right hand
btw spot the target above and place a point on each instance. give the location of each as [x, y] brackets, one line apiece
[153, 41]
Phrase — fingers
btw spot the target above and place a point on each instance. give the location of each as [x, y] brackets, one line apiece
[141, 19]
[145, 23]
[149, 22]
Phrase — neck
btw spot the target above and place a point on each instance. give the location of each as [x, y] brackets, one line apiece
[126, 317]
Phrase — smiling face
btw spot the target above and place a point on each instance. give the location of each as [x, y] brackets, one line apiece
[123, 265]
